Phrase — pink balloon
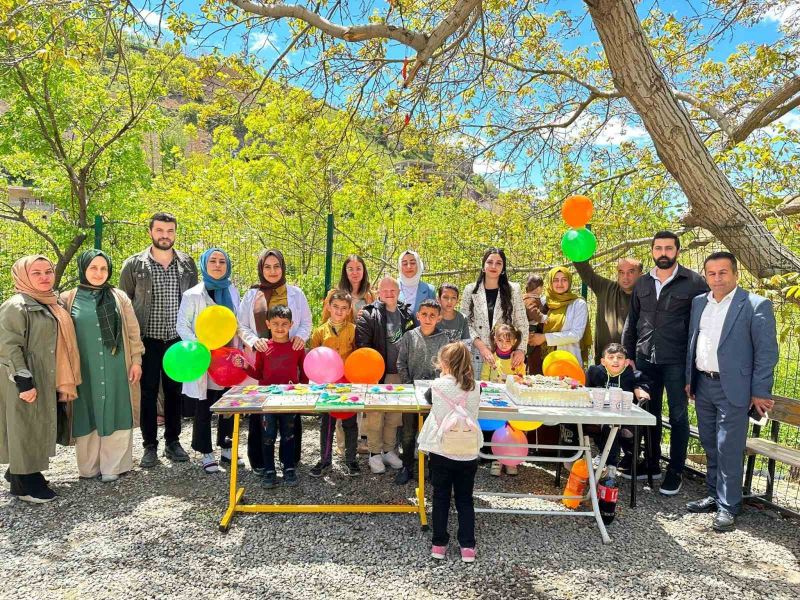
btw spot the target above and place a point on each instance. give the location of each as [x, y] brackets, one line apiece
[323, 365]
[508, 435]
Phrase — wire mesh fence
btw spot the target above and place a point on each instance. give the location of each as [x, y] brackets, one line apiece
[452, 258]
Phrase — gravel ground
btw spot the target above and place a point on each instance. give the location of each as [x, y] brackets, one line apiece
[153, 534]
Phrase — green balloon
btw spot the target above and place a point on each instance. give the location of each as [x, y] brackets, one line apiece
[186, 361]
[578, 245]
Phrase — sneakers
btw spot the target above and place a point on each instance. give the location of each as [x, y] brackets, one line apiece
[175, 452]
[641, 472]
[468, 555]
[318, 469]
[724, 521]
[210, 464]
[439, 552]
[108, 478]
[270, 480]
[512, 470]
[390, 458]
[259, 471]
[289, 477]
[672, 483]
[226, 455]
[403, 476]
[352, 469]
[376, 464]
[149, 459]
[496, 469]
[40, 494]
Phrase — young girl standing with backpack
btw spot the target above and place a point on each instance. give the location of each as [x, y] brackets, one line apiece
[452, 438]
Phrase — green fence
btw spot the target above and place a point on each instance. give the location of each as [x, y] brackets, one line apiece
[315, 267]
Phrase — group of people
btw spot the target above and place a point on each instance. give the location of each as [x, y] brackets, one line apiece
[85, 367]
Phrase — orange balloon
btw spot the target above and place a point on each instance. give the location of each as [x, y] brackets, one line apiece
[365, 365]
[565, 368]
[577, 211]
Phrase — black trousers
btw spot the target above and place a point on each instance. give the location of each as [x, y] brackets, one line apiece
[458, 477]
[201, 429]
[327, 426]
[408, 438]
[255, 441]
[152, 375]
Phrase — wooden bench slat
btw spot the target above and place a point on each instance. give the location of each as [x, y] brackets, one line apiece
[770, 449]
[786, 410]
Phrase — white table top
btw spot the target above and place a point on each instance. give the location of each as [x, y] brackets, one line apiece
[554, 415]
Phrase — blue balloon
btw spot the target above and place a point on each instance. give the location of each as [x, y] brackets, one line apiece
[490, 424]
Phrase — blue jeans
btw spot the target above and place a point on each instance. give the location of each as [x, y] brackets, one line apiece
[671, 378]
[271, 424]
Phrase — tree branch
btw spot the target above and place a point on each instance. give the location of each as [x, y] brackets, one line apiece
[353, 33]
[771, 108]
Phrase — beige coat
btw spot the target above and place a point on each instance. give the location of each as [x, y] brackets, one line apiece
[132, 343]
[27, 343]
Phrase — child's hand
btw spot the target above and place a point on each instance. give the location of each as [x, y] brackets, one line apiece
[641, 394]
[238, 361]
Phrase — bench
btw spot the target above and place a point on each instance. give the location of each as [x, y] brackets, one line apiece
[786, 410]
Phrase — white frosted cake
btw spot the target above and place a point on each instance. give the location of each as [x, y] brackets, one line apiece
[538, 390]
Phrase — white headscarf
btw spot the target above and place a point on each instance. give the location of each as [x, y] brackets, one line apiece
[410, 282]
[409, 285]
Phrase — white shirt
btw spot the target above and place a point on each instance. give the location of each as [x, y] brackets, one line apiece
[711, 322]
[660, 285]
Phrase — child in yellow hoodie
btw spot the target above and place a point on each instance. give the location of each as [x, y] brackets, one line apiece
[339, 333]
[505, 339]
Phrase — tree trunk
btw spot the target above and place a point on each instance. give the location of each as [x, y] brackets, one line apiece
[69, 253]
[714, 203]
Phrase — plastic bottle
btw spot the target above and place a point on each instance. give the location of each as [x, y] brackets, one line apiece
[576, 484]
[607, 493]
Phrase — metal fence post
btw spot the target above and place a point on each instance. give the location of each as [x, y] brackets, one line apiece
[584, 287]
[98, 232]
[328, 253]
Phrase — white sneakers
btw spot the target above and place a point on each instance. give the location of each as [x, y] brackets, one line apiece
[108, 478]
[210, 464]
[376, 464]
[496, 469]
[390, 458]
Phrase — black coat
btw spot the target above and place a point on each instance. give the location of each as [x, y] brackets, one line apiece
[657, 330]
[371, 326]
[628, 380]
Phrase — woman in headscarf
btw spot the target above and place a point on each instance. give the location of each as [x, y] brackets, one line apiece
[39, 365]
[355, 281]
[566, 322]
[107, 408]
[412, 289]
[272, 290]
[215, 288]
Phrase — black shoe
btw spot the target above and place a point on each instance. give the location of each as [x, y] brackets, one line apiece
[7, 476]
[289, 477]
[641, 472]
[318, 469]
[352, 469]
[403, 476]
[270, 480]
[149, 459]
[37, 492]
[706, 505]
[724, 520]
[672, 483]
[175, 452]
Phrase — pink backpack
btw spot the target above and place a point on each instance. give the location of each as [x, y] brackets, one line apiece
[458, 432]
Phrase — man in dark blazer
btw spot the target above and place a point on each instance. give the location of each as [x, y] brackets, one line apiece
[730, 362]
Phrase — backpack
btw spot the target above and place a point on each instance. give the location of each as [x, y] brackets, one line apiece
[458, 432]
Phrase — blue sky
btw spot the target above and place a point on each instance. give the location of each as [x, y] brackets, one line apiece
[267, 47]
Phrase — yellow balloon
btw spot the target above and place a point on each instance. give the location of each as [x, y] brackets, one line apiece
[525, 425]
[215, 326]
[558, 355]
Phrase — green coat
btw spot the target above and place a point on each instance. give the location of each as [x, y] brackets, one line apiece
[27, 342]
